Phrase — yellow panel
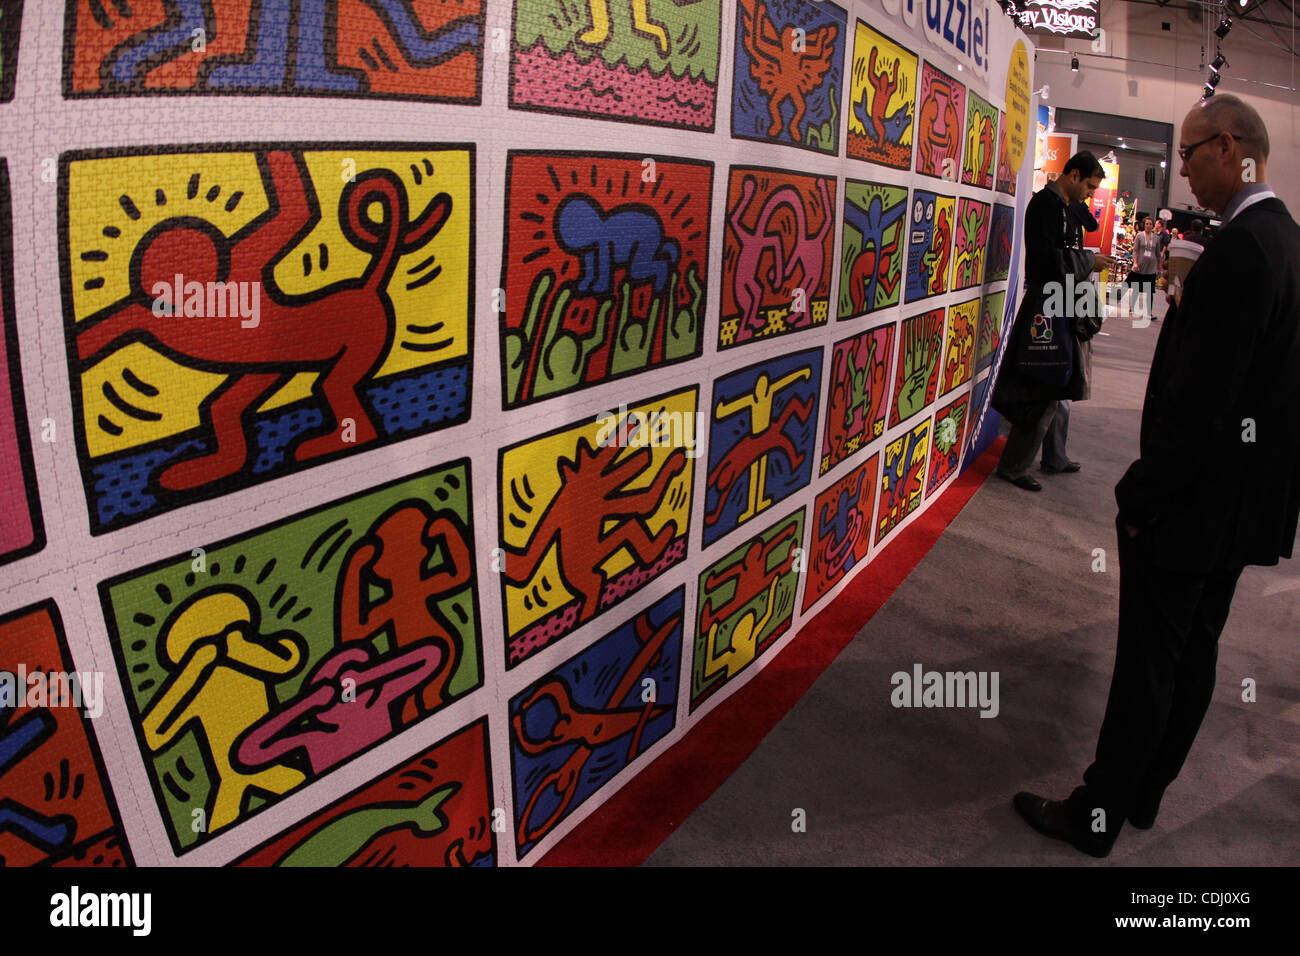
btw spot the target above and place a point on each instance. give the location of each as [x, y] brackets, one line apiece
[887, 54]
[294, 390]
[105, 192]
[941, 204]
[538, 462]
[445, 299]
[98, 187]
[180, 391]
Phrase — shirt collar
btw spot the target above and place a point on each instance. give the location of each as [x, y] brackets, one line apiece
[1057, 191]
[1235, 204]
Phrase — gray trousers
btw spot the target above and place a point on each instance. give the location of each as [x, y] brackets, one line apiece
[1049, 433]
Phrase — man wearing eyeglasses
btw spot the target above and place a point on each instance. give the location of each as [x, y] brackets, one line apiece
[1217, 486]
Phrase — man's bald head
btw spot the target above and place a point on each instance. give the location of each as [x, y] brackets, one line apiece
[1223, 146]
[1227, 113]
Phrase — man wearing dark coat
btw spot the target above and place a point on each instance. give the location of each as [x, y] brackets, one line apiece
[1039, 413]
[1217, 486]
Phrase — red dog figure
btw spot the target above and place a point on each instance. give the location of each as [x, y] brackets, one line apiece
[343, 331]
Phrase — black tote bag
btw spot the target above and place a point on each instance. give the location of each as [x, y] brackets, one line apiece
[1044, 341]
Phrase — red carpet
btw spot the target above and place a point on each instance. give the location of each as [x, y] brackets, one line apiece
[629, 826]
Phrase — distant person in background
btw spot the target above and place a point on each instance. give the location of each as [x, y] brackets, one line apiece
[1195, 233]
[1162, 234]
[1207, 497]
[1146, 265]
[1166, 236]
[1039, 413]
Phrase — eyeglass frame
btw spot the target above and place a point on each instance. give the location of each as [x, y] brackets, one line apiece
[1185, 152]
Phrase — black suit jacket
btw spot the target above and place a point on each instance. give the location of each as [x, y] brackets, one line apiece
[1203, 493]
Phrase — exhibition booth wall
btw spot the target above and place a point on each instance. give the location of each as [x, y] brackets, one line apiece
[417, 416]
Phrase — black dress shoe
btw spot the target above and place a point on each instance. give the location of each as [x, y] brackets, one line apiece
[1028, 482]
[1069, 468]
[1048, 818]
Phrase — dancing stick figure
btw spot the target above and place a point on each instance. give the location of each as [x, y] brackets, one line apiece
[759, 402]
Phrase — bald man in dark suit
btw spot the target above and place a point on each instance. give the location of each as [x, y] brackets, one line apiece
[1217, 486]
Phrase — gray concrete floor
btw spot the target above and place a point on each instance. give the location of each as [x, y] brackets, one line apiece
[1010, 588]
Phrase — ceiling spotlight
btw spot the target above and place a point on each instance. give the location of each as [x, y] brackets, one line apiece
[1074, 64]
[1163, 164]
[1046, 91]
[1219, 62]
[1213, 81]
[1224, 26]
[1242, 3]
[1209, 91]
